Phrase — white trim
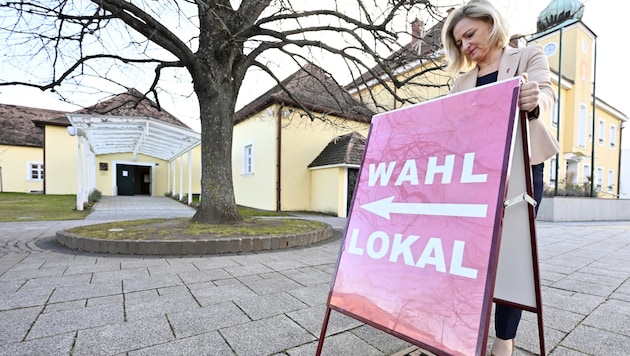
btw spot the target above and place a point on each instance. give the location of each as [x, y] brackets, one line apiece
[29, 171]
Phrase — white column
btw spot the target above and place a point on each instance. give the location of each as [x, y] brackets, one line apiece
[189, 177]
[181, 178]
[168, 177]
[79, 173]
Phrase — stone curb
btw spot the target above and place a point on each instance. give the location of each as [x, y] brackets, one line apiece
[191, 247]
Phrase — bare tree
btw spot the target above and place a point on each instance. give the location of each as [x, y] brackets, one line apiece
[215, 42]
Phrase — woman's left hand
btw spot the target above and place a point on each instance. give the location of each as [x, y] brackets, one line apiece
[529, 95]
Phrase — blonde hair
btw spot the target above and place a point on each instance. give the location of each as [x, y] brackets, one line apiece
[479, 10]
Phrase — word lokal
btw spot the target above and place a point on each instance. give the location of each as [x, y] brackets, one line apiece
[379, 245]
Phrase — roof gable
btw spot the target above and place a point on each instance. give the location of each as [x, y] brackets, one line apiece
[422, 45]
[130, 104]
[313, 88]
[17, 127]
[347, 149]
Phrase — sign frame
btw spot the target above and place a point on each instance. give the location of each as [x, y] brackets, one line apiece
[513, 204]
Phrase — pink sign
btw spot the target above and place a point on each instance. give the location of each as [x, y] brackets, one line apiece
[419, 254]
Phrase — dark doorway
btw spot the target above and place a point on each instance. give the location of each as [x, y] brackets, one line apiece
[142, 180]
[353, 175]
[133, 180]
[124, 179]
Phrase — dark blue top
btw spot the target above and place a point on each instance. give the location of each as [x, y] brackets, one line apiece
[488, 78]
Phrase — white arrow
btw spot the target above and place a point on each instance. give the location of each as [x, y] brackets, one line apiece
[385, 207]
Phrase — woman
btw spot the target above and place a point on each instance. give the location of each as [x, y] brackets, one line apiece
[475, 37]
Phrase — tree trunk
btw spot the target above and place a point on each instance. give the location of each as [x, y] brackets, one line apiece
[217, 101]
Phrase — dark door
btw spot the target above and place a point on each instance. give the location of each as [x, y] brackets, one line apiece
[353, 174]
[124, 179]
[142, 180]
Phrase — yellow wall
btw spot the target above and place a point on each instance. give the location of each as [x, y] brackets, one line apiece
[258, 189]
[62, 167]
[60, 161]
[15, 173]
[179, 173]
[575, 163]
[325, 194]
[302, 141]
[423, 83]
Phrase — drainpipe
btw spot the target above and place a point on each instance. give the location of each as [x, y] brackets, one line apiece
[555, 192]
[593, 120]
[278, 159]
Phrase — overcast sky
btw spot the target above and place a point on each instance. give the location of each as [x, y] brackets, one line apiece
[603, 17]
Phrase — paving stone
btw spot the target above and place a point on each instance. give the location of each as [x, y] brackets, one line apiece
[16, 323]
[264, 306]
[24, 298]
[277, 284]
[593, 341]
[312, 295]
[223, 293]
[150, 282]
[312, 319]
[118, 276]
[64, 321]
[123, 337]
[69, 293]
[205, 344]
[147, 307]
[204, 276]
[266, 336]
[342, 344]
[384, 342]
[54, 345]
[206, 319]
[611, 319]
[239, 271]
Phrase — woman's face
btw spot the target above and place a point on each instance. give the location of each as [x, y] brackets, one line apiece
[472, 38]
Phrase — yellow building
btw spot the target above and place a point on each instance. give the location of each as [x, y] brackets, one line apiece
[121, 146]
[588, 129]
[21, 144]
[277, 143]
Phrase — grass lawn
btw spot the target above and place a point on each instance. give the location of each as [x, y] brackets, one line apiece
[38, 207]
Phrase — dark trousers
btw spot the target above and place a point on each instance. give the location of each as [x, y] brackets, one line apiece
[506, 318]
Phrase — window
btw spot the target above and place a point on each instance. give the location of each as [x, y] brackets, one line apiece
[248, 159]
[581, 139]
[555, 114]
[600, 178]
[35, 171]
[586, 175]
[613, 136]
[552, 172]
[601, 132]
[611, 180]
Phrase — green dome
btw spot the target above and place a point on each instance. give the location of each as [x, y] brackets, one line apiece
[557, 12]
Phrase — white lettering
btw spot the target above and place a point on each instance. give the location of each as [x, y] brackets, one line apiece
[409, 173]
[353, 249]
[380, 171]
[446, 169]
[371, 250]
[400, 246]
[433, 254]
[467, 171]
[456, 262]
[379, 245]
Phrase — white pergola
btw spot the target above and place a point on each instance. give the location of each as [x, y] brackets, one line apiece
[102, 134]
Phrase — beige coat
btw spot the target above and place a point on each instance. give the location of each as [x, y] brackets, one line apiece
[530, 60]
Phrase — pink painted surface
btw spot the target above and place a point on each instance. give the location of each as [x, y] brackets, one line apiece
[440, 302]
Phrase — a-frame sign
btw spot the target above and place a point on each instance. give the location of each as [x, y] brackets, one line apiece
[442, 211]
